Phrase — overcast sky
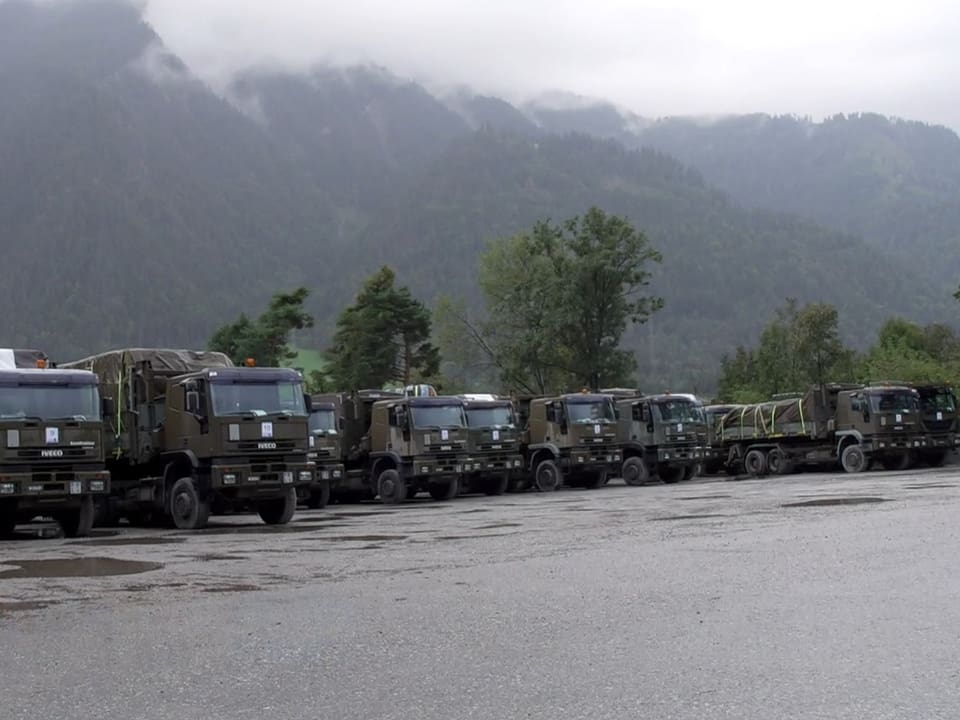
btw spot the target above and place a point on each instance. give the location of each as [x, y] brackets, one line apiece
[657, 58]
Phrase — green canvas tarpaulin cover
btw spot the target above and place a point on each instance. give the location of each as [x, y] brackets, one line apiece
[776, 418]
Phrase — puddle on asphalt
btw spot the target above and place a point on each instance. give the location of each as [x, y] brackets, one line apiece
[25, 605]
[493, 526]
[231, 588]
[826, 502]
[929, 485]
[704, 497]
[473, 537]
[147, 587]
[358, 513]
[363, 538]
[580, 509]
[691, 517]
[75, 567]
[209, 557]
[106, 542]
[474, 510]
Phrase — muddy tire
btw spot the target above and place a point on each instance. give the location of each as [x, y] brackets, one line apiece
[670, 474]
[319, 497]
[278, 511]
[853, 459]
[936, 458]
[634, 471]
[755, 463]
[689, 472]
[78, 522]
[546, 478]
[391, 488]
[517, 485]
[596, 479]
[498, 484]
[187, 509]
[446, 490]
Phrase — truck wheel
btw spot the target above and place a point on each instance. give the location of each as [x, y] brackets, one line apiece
[412, 491]
[319, 497]
[445, 490]
[897, 462]
[278, 511]
[936, 458]
[596, 479]
[689, 472]
[391, 487]
[777, 462]
[671, 474]
[546, 478]
[634, 471]
[755, 463]
[78, 522]
[497, 485]
[517, 485]
[188, 510]
[106, 512]
[8, 519]
[853, 459]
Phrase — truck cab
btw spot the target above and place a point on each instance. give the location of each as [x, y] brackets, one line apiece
[493, 442]
[938, 417]
[51, 447]
[326, 421]
[415, 444]
[885, 421]
[570, 439]
[662, 436]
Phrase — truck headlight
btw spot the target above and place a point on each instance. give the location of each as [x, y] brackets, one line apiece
[311, 441]
[580, 459]
[13, 439]
[96, 486]
[76, 487]
[307, 476]
[7, 488]
[616, 457]
[229, 479]
[234, 432]
[336, 473]
[424, 470]
[254, 478]
[516, 463]
[287, 477]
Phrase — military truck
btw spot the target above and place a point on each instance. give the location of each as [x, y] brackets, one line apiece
[662, 436]
[493, 442]
[567, 439]
[714, 455]
[193, 434]
[397, 446]
[938, 417]
[325, 449]
[51, 443]
[854, 425]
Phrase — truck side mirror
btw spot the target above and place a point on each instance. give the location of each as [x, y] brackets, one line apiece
[193, 402]
[308, 402]
[108, 407]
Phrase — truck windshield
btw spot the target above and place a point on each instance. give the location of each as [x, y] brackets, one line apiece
[496, 417]
[438, 416]
[50, 402]
[679, 411]
[323, 421]
[269, 398]
[939, 402]
[893, 401]
[591, 412]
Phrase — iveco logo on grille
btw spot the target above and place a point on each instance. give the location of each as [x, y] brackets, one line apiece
[267, 446]
[51, 453]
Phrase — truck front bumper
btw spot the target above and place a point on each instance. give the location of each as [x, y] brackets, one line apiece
[52, 485]
[493, 463]
[681, 454]
[595, 457]
[246, 479]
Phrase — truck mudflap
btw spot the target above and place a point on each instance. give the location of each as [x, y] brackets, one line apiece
[493, 463]
[249, 479]
[53, 485]
[681, 454]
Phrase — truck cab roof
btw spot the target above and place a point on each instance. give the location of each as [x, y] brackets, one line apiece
[35, 376]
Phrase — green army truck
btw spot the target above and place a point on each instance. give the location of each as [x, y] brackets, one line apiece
[325, 450]
[662, 436]
[714, 455]
[493, 442]
[568, 439]
[51, 444]
[938, 417]
[193, 434]
[853, 425]
[397, 446]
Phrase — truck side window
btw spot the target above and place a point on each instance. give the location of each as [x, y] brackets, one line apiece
[637, 412]
[855, 403]
[551, 414]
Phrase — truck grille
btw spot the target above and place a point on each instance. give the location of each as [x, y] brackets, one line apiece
[62, 453]
[270, 445]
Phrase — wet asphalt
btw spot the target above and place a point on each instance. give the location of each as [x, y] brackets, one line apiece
[811, 596]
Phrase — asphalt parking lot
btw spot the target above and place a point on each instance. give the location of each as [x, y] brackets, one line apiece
[807, 596]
